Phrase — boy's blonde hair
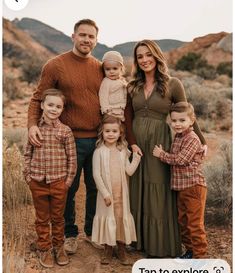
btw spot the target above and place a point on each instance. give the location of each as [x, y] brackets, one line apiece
[53, 92]
[121, 143]
[183, 106]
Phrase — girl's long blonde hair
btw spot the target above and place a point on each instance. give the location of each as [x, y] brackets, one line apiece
[161, 73]
[121, 142]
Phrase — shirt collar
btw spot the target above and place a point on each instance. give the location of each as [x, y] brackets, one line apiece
[184, 133]
[55, 123]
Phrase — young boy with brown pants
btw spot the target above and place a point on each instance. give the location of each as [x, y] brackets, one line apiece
[185, 159]
[49, 172]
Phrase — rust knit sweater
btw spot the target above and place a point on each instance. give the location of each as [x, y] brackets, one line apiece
[79, 79]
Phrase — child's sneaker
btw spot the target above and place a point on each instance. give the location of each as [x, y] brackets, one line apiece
[46, 258]
[71, 245]
[61, 256]
[187, 255]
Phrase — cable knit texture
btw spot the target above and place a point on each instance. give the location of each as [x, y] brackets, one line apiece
[79, 79]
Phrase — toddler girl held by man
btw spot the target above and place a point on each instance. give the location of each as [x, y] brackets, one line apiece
[113, 93]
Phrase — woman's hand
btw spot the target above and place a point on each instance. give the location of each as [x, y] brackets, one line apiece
[136, 149]
[107, 201]
[157, 150]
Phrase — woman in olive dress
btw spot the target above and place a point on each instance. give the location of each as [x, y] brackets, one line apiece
[153, 203]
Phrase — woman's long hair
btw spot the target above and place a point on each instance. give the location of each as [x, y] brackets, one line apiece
[161, 73]
[108, 119]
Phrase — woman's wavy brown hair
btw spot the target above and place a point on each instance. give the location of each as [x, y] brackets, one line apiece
[161, 73]
[107, 119]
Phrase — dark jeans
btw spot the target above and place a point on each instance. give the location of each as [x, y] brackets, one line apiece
[85, 148]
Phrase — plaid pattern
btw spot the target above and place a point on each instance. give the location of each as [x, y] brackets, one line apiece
[56, 159]
[185, 157]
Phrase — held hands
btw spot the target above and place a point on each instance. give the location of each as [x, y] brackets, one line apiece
[157, 150]
[107, 201]
[136, 149]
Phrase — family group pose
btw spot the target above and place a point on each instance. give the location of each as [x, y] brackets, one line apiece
[143, 189]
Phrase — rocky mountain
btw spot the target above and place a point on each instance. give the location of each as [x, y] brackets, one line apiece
[19, 44]
[215, 48]
[58, 42]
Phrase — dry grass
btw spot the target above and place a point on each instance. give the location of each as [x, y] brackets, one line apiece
[218, 173]
[16, 197]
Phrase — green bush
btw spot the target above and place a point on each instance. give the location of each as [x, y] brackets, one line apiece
[225, 68]
[195, 63]
[188, 62]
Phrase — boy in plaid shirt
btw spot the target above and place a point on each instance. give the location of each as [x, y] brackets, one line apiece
[49, 172]
[185, 159]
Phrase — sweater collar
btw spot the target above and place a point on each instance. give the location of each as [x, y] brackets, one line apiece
[79, 58]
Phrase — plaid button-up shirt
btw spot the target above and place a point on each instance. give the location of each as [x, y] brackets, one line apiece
[55, 159]
[185, 159]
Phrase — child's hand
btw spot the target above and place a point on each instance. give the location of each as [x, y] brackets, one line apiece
[157, 150]
[136, 149]
[107, 201]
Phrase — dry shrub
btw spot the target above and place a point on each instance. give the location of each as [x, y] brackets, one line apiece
[218, 173]
[16, 197]
[16, 136]
[11, 87]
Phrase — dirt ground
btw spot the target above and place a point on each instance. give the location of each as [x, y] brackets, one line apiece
[87, 258]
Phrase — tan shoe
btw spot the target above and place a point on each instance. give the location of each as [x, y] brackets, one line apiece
[61, 256]
[46, 258]
[121, 254]
[71, 245]
[108, 254]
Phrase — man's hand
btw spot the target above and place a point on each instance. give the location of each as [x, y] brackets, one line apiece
[157, 150]
[107, 201]
[205, 149]
[35, 136]
[136, 149]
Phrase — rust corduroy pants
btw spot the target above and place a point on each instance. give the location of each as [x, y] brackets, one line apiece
[49, 203]
[191, 207]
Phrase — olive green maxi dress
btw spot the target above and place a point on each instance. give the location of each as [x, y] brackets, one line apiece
[153, 203]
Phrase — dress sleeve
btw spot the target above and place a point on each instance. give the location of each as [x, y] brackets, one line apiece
[129, 114]
[176, 88]
[47, 80]
[132, 166]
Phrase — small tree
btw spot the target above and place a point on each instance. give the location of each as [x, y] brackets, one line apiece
[188, 62]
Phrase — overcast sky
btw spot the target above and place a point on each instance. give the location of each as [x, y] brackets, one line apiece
[132, 20]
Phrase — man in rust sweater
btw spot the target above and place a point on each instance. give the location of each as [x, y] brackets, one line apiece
[78, 75]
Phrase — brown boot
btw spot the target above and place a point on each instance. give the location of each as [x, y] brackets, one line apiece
[46, 258]
[108, 254]
[61, 256]
[121, 254]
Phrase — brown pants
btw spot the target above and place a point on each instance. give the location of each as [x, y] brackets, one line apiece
[49, 203]
[191, 206]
